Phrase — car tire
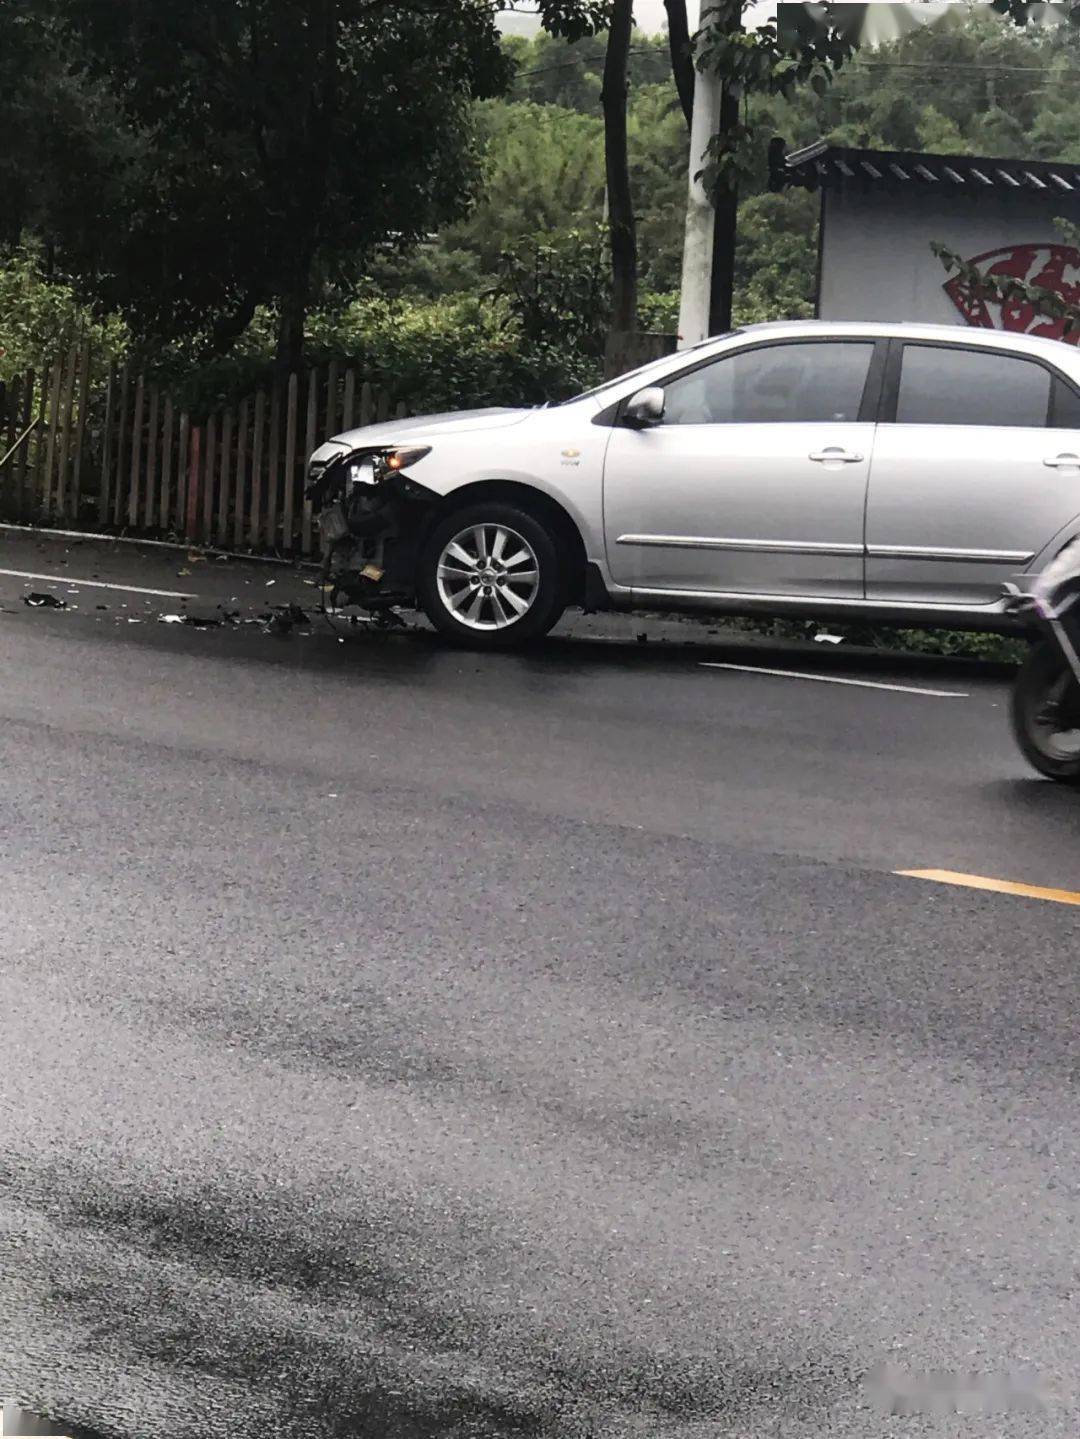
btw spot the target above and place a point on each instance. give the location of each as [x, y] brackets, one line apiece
[490, 576]
[1043, 673]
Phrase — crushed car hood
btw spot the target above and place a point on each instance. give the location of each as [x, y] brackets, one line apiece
[392, 432]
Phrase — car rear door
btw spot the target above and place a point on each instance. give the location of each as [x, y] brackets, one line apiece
[976, 468]
[755, 480]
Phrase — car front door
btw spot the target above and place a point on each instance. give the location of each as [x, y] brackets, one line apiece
[754, 481]
[976, 469]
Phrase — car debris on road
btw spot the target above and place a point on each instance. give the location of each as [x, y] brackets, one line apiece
[277, 620]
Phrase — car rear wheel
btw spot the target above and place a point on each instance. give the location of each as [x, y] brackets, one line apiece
[490, 576]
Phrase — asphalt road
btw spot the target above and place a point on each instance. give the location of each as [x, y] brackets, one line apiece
[400, 1042]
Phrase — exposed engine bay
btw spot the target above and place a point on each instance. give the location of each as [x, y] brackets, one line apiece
[372, 517]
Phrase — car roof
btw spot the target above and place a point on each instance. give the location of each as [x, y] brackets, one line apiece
[913, 330]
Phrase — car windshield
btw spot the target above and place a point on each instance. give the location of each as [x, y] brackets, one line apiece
[644, 371]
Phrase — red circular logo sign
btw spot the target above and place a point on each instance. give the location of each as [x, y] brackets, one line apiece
[1049, 267]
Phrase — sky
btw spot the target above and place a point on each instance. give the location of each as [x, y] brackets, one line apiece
[649, 15]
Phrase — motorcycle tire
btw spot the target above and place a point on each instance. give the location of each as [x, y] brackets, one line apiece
[1043, 683]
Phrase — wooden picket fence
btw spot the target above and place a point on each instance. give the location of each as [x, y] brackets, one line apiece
[85, 443]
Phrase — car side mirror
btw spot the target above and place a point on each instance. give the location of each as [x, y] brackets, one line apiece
[645, 408]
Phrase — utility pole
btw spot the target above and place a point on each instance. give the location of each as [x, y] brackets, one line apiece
[696, 296]
[620, 200]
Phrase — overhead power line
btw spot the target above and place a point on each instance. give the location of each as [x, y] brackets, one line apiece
[866, 64]
[583, 64]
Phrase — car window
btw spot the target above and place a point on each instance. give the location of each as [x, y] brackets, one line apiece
[946, 385]
[772, 384]
[643, 372]
[1065, 408]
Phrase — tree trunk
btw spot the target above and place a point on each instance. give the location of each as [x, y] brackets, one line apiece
[722, 295]
[308, 203]
[621, 222]
[682, 59]
[290, 338]
[229, 327]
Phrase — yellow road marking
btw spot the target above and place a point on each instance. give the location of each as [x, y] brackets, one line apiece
[999, 886]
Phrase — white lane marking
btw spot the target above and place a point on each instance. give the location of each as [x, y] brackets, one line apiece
[836, 680]
[99, 538]
[99, 585]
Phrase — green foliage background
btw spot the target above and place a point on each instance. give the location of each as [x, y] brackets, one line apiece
[507, 303]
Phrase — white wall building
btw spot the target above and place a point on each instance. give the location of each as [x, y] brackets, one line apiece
[880, 212]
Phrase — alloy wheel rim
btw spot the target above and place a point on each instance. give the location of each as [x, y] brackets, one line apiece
[488, 577]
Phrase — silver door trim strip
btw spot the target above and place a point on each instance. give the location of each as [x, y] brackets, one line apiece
[708, 542]
[821, 602]
[923, 552]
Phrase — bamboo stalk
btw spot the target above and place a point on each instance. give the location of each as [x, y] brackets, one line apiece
[191, 527]
[19, 459]
[40, 441]
[209, 474]
[225, 481]
[273, 469]
[67, 406]
[309, 449]
[135, 483]
[182, 472]
[107, 447]
[166, 465]
[45, 490]
[11, 434]
[290, 462]
[350, 400]
[255, 531]
[332, 376]
[121, 444]
[80, 433]
[152, 436]
[22, 459]
[241, 477]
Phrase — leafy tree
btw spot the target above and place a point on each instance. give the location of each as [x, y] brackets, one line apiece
[270, 164]
[934, 89]
[550, 72]
[659, 153]
[775, 257]
[542, 173]
[63, 139]
[42, 317]
[559, 291]
[269, 145]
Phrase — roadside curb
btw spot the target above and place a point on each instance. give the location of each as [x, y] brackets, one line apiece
[98, 537]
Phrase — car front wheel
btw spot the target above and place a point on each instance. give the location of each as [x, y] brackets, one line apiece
[490, 576]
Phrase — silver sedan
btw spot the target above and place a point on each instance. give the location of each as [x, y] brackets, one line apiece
[900, 473]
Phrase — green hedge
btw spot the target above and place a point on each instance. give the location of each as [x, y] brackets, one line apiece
[462, 352]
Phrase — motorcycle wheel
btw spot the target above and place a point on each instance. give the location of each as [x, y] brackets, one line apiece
[1046, 714]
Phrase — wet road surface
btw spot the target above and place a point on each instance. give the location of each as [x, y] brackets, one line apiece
[404, 1042]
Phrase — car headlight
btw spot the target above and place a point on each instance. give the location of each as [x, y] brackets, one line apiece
[395, 460]
[377, 466]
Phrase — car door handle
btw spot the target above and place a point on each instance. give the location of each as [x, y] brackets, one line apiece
[1063, 462]
[835, 455]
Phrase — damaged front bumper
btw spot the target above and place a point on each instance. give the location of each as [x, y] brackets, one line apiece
[372, 517]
